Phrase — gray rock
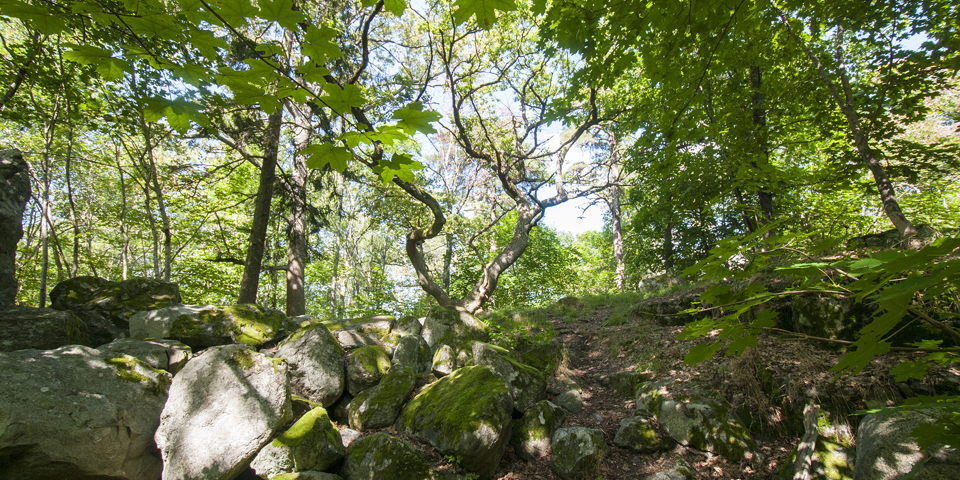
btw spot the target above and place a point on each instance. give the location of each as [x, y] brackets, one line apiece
[365, 367]
[639, 435]
[202, 326]
[375, 331]
[408, 326]
[224, 406]
[115, 301]
[886, 451]
[624, 383]
[413, 352]
[526, 383]
[681, 471]
[570, 400]
[445, 361]
[40, 328]
[316, 364]
[349, 435]
[557, 386]
[14, 193]
[532, 433]
[169, 355]
[452, 326]
[312, 443]
[706, 425]
[466, 414]
[307, 475]
[577, 453]
[382, 456]
[649, 398]
[379, 406]
[73, 413]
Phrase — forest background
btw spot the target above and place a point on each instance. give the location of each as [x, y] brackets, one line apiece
[346, 158]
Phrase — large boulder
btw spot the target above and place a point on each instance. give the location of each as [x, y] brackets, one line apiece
[115, 301]
[378, 407]
[706, 424]
[446, 359]
[452, 326]
[365, 367]
[14, 193]
[532, 433]
[466, 414]
[316, 364]
[169, 355]
[373, 331]
[202, 326]
[77, 413]
[40, 328]
[383, 456]
[224, 406]
[527, 385]
[413, 351]
[886, 450]
[577, 453]
[640, 435]
[312, 443]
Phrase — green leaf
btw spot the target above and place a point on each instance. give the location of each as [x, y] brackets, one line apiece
[282, 12]
[318, 46]
[400, 165]
[313, 73]
[412, 118]
[109, 67]
[342, 100]
[395, 7]
[700, 353]
[485, 11]
[909, 369]
[326, 153]
[44, 20]
[235, 12]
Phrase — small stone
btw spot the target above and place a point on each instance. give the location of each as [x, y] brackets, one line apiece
[570, 400]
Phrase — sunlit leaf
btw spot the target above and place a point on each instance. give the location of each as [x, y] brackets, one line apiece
[701, 353]
[282, 12]
[325, 153]
[342, 100]
[412, 118]
[485, 11]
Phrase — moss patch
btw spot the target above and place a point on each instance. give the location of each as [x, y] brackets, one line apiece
[133, 370]
[459, 402]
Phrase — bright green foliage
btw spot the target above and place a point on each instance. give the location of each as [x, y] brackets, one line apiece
[485, 11]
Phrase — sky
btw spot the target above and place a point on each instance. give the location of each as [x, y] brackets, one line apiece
[570, 217]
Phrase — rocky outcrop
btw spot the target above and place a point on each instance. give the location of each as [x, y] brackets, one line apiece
[114, 301]
[312, 443]
[365, 367]
[76, 412]
[382, 456]
[532, 433]
[168, 355]
[316, 364]
[14, 193]
[577, 453]
[526, 383]
[446, 360]
[202, 326]
[640, 435]
[374, 331]
[466, 414]
[224, 406]
[886, 450]
[379, 406]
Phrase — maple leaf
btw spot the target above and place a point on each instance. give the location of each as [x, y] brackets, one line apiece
[317, 44]
[109, 67]
[324, 153]
[342, 100]
[414, 119]
[282, 12]
[484, 10]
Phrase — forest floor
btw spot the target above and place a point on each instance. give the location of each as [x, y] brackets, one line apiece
[798, 371]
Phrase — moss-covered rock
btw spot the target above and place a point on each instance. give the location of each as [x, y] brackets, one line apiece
[649, 398]
[532, 433]
[383, 456]
[379, 406]
[117, 301]
[376, 330]
[317, 370]
[452, 326]
[365, 367]
[307, 475]
[407, 326]
[311, 443]
[169, 355]
[203, 326]
[527, 385]
[466, 414]
[413, 351]
[544, 357]
[886, 450]
[577, 453]
[640, 435]
[706, 424]
[624, 383]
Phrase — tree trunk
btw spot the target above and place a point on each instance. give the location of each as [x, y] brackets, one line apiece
[153, 182]
[764, 195]
[615, 214]
[125, 249]
[296, 236]
[447, 260]
[256, 243]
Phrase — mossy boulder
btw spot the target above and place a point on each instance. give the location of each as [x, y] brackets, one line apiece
[624, 383]
[544, 357]
[383, 456]
[365, 367]
[571, 400]
[168, 355]
[116, 301]
[407, 326]
[316, 360]
[826, 316]
[466, 414]
[202, 326]
[577, 453]
[446, 359]
[649, 398]
[43, 329]
[526, 384]
[311, 443]
[413, 351]
[681, 470]
[706, 424]
[640, 435]
[376, 330]
[532, 432]
[379, 406]
[452, 326]
[886, 450]
[307, 475]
